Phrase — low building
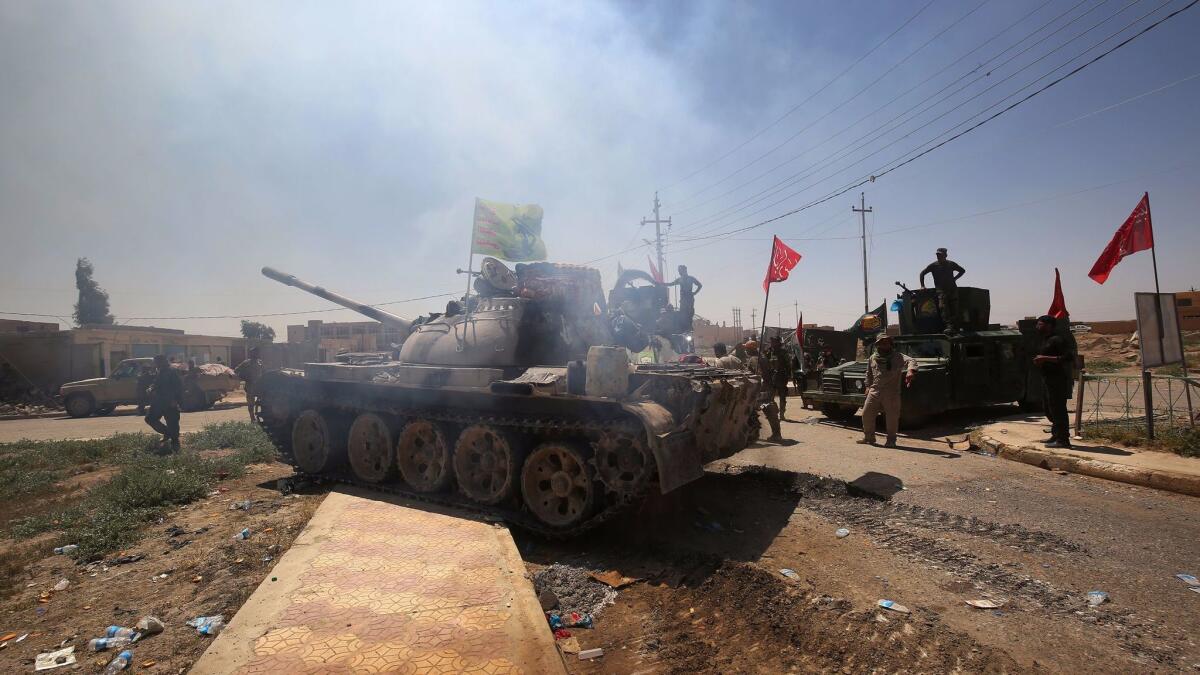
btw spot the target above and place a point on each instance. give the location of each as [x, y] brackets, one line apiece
[20, 326]
[337, 337]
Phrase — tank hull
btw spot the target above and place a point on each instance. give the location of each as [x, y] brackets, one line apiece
[659, 436]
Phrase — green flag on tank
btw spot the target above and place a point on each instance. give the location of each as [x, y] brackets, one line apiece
[508, 231]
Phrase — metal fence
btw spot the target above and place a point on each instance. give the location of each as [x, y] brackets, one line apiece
[1121, 400]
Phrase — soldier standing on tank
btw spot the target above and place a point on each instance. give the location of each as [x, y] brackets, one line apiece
[1052, 359]
[249, 371]
[780, 363]
[945, 273]
[884, 371]
[166, 395]
[689, 286]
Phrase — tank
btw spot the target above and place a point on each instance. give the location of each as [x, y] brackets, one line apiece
[981, 364]
[518, 401]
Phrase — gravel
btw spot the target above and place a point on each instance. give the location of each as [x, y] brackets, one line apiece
[576, 591]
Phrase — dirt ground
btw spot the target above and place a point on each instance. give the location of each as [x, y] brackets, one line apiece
[207, 572]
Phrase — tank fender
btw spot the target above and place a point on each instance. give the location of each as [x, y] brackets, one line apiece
[676, 453]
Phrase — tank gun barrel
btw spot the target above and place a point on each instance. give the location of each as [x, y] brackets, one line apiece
[375, 313]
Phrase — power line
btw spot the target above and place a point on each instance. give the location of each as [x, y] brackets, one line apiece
[897, 121]
[896, 98]
[796, 107]
[1131, 99]
[899, 162]
[243, 316]
[839, 106]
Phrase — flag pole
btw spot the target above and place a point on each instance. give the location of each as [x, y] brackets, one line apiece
[1187, 389]
[762, 335]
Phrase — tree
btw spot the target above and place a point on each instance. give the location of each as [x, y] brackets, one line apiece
[92, 306]
[253, 330]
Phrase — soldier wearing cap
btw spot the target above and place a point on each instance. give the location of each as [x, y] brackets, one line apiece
[884, 371]
[945, 273]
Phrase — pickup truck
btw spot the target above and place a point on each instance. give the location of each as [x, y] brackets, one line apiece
[102, 395]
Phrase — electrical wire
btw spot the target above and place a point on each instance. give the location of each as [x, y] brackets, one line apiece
[796, 107]
[903, 161]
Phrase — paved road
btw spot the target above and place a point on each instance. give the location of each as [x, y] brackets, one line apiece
[124, 419]
[953, 526]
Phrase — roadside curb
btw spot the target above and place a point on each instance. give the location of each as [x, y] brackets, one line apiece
[1158, 479]
[5, 418]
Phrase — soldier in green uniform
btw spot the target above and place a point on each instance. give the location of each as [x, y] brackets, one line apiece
[945, 274]
[779, 363]
[885, 369]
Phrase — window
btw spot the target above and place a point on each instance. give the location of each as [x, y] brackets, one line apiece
[1183, 302]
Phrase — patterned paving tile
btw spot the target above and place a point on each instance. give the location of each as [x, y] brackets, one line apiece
[397, 590]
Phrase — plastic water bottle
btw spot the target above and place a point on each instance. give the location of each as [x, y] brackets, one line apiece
[243, 535]
[66, 550]
[106, 643]
[121, 631]
[118, 664]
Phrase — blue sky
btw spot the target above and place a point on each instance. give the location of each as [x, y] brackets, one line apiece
[181, 146]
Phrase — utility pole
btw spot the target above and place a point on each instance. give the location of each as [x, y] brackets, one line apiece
[737, 317]
[658, 236]
[864, 210]
[796, 306]
[753, 316]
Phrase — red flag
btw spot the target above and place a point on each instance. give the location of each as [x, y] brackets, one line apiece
[1058, 306]
[783, 259]
[1135, 234]
[654, 271]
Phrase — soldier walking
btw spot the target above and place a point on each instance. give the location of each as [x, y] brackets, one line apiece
[884, 370]
[1052, 359]
[945, 273]
[780, 363]
[250, 371]
[166, 395]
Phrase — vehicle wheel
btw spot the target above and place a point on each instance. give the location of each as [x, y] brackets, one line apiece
[193, 399]
[79, 405]
[317, 442]
[105, 410]
[837, 411]
[370, 448]
[622, 462]
[487, 463]
[423, 456]
[557, 484]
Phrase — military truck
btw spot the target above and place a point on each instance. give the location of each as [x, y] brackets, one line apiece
[982, 364]
[101, 395]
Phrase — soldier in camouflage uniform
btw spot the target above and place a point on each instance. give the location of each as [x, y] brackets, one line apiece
[758, 365]
[885, 369]
[780, 373]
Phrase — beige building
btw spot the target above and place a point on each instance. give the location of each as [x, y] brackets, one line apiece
[20, 326]
[338, 337]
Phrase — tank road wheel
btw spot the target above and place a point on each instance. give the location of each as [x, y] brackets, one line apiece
[370, 448]
[423, 456]
[557, 484]
[622, 461]
[317, 442]
[486, 464]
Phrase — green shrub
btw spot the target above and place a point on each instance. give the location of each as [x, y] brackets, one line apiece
[1103, 365]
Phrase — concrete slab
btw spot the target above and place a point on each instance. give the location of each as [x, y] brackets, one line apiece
[375, 586]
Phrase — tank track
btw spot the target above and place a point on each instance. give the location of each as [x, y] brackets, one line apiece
[280, 435]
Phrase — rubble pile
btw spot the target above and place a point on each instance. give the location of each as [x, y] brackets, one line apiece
[574, 589]
[27, 405]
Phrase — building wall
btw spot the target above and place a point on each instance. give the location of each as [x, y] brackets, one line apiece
[1187, 304]
[344, 336]
[19, 326]
[48, 360]
[117, 343]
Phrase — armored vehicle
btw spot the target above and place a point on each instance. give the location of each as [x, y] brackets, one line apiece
[982, 364]
[518, 400]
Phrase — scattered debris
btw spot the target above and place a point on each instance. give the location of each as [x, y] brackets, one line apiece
[124, 560]
[66, 550]
[1096, 598]
[569, 620]
[588, 654]
[569, 645]
[62, 585]
[148, 663]
[243, 505]
[842, 533]
[548, 600]
[150, 625]
[56, 659]
[612, 578]
[1188, 579]
[985, 604]
[7, 636]
[243, 535]
[208, 625]
[894, 606]
[118, 664]
[789, 573]
[575, 590]
[562, 634]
